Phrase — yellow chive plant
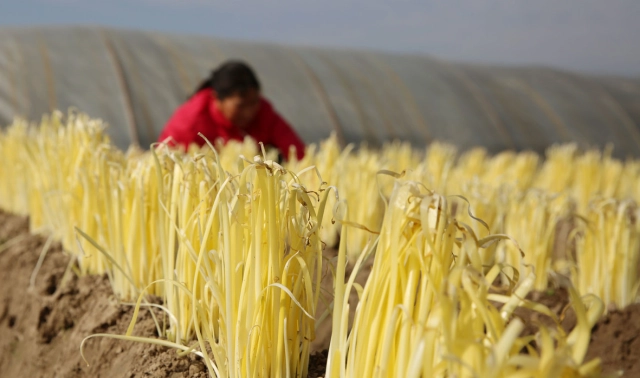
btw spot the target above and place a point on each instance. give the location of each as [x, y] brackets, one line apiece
[426, 312]
[233, 246]
[607, 250]
[248, 270]
[531, 219]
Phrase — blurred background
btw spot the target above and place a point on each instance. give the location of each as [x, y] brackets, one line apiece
[496, 73]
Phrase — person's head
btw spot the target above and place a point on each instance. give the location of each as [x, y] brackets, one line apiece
[237, 91]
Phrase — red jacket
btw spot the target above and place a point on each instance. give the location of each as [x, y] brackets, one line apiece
[200, 115]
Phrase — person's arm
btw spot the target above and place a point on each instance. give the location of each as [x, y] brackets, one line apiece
[284, 136]
[174, 136]
[182, 128]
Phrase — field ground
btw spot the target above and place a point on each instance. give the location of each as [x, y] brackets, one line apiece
[41, 328]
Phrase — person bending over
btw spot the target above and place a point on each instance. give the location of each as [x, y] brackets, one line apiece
[229, 106]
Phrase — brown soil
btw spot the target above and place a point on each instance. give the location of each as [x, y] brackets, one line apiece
[318, 364]
[556, 300]
[616, 340]
[41, 328]
[323, 329]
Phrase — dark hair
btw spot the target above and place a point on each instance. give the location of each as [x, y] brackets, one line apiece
[230, 77]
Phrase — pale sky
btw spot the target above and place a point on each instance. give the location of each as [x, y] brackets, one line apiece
[586, 35]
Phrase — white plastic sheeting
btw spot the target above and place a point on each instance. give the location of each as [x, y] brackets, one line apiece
[134, 80]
